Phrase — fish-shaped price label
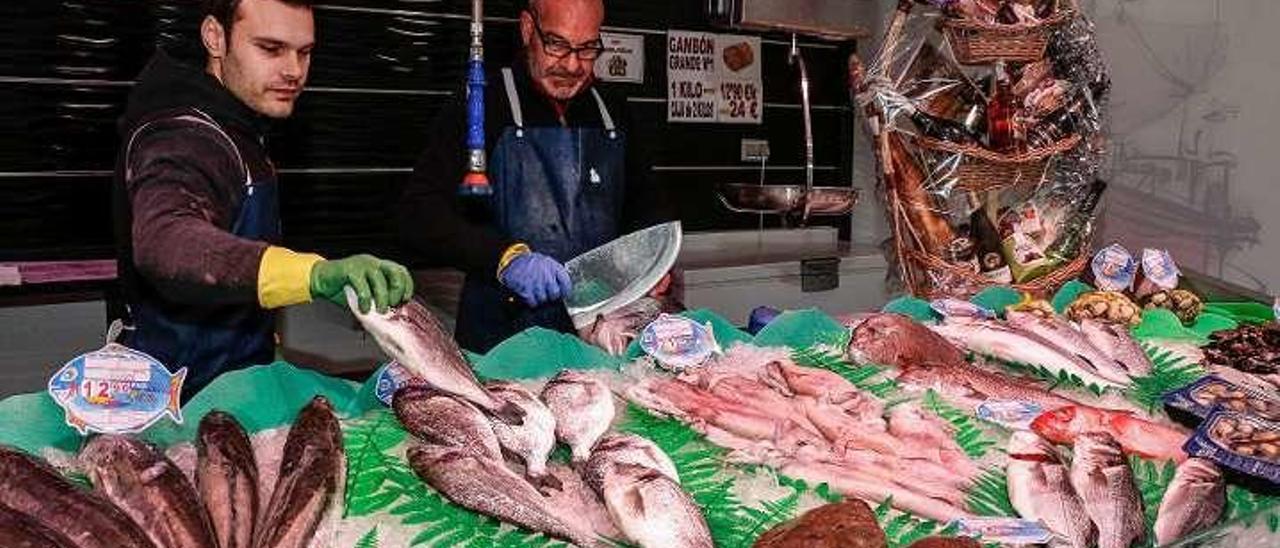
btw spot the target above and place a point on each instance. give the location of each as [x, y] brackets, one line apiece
[1012, 414]
[678, 343]
[393, 377]
[1004, 531]
[949, 308]
[116, 390]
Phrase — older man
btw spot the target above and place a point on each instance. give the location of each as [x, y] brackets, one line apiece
[564, 180]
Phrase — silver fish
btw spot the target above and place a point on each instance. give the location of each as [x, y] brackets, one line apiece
[1007, 343]
[1064, 335]
[583, 407]
[21, 531]
[1194, 501]
[487, 486]
[1039, 489]
[150, 489]
[1101, 476]
[626, 449]
[651, 510]
[312, 465]
[411, 335]
[531, 441]
[1116, 342]
[33, 488]
[442, 419]
[227, 479]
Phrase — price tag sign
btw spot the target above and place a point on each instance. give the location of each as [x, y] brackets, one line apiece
[738, 72]
[713, 78]
[116, 390]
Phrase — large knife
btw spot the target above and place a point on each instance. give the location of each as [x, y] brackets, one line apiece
[618, 273]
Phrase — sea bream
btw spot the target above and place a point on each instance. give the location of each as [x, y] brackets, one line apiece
[652, 510]
[1136, 435]
[150, 489]
[1040, 490]
[583, 408]
[899, 341]
[412, 335]
[34, 489]
[1100, 474]
[312, 467]
[487, 486]
[1194, 501]
[442, 419]
[1001, 341]
[20, 531]
[533, 440]
[1116, 342]
[626, 449]
[1065, 336]
[227, 479]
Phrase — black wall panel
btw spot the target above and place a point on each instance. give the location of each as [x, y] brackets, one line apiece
[381, 71]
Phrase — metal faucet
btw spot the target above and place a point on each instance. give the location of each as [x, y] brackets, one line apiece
[794, 58]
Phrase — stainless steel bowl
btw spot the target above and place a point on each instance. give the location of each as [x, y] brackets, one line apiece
[784, 199]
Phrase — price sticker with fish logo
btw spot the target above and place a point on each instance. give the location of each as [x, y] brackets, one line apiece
[1012, 414]
[1003, 531]
[678, 343]
[116, 390]
[393, 377]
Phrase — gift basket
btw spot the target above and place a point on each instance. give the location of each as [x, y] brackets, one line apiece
[989, 137]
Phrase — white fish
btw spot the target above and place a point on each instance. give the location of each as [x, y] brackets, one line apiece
[1194, 501]
[626, 449]
[1064, 335]
[1007, 343]
[583, 408]
[411, 335]
[1116, 342]
[652, 511]
[1100, 474]
[1040, 489]
[533, 440]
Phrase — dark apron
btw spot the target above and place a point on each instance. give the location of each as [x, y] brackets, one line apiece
[558, 189]
[209, 341]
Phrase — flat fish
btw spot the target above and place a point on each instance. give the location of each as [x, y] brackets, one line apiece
[21, 531]
[1194, 501]
[1116, 342]
[583, 408]
[227, 479]
[533, 440]
[1065, 335]
[33, 488]
[487, 486]
[150, 489]
[443, 419]
[1001, 341]
[1100, 474]
[412, 335]
[312, 466]
[613, 449]
[652, 510]
[1040, 490]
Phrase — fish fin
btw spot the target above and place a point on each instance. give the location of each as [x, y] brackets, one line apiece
[175, 395]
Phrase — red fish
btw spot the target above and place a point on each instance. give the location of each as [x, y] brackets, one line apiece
[1137, 436]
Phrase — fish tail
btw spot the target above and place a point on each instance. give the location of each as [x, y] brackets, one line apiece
[175, 395]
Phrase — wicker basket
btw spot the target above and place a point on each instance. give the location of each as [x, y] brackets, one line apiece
[976, 42]
[965, 282]
[981, 169]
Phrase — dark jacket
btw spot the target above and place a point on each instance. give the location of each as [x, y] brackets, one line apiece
[173, 214]
[441, 229]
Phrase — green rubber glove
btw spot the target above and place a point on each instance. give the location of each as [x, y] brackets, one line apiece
[383, 283]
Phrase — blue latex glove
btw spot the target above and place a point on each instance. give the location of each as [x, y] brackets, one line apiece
[536, 278]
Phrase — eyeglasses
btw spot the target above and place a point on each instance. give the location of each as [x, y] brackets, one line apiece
[559, 48]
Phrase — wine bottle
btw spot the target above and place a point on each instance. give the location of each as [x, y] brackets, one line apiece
[1076, 227]
[938, 127]
[1000, 112]
[987, 247]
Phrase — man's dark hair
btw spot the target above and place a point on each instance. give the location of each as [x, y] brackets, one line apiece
[225, 10]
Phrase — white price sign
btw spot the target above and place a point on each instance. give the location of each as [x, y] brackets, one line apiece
[713, 78]
[623, 58]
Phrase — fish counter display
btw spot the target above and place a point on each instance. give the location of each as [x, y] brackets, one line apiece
[951, 424]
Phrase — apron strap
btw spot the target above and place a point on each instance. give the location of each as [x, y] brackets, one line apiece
[605, 118]
[200, 118]
[513, 100]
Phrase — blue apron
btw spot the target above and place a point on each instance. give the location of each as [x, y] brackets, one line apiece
[207, 340]
[558, 189]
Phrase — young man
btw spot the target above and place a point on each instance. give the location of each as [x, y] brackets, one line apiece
[564, 180]
[197, 215]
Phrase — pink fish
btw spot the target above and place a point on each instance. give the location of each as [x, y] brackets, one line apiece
[1137, 436]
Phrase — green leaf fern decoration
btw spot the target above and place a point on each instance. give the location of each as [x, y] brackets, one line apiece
[1169, 372]
[989, 495]
[869, 377]
[969, 435]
